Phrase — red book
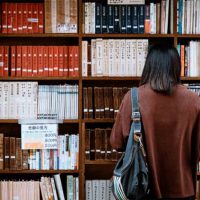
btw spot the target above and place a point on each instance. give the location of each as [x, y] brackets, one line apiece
[30, 61]
[65, 61]
[60, 60]
[6, 61]
[29, 18]
[19, 61]
[13, 61]
[9, 17]
[40, 61]
[25, 17]
[50, 61]
[71, 54]
[1, 60]
[14, 17]
[19, 17]
[76, 62]
[35, 17]
[55, 61]
[46, 60]
[4, 18]
[35, 60]
[24, 61]
[40, 17]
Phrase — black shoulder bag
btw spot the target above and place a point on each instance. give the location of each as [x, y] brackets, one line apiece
[130, 176]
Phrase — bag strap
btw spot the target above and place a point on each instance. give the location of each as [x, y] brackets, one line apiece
[135, 111]
[136, 120]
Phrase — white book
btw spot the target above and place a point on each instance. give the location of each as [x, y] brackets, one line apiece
[129, 57]
[99, 57]
[188, 17]
[140, 57]
[163, 16]
[152, 18]
[59, 186]
[166, 16]
[93, 58]
[133, 69]
[88, 188]
[77, 188]
[84, 58]
[116, 69]
[86, 17]
[92, 17]
[102, 190]
[12, 104]
[111, 57]
[53, 16]
[55, 196]
[1, 100]
[122, 57]
[70, 187]
[105, 58]
[6, 88]
[95, 189]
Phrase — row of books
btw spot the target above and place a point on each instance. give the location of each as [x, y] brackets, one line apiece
[195, 87]
[61, 16]
[65, 157]
[97, 145]
[28, 100]
[52, 189]
[49, 188]
[23, 190]
[114, 57]
[57, 102]
[188, 16]
[98, 190]
[106, 101]
[189, 54]
[22, 17]
[42, 61]
[103, 18]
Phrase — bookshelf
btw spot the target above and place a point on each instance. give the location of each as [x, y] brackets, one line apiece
[88, 169]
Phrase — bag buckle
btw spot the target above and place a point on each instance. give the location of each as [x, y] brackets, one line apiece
[136, 116]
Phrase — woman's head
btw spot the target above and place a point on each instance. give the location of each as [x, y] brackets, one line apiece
[162, 68]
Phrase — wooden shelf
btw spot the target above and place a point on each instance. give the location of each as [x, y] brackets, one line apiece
[108, 78]
[15, 121]
[100, 162]
[119, 35]
[57, 78]
[188, 36]
[190, 78]
[98, 120]
[39, 171]
[68, 35]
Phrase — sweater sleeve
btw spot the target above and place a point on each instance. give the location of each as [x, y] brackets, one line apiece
[121, 128]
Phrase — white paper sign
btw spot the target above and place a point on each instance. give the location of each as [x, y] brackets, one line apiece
[39, 136]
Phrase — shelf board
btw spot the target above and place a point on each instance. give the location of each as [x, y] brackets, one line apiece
[70, 35]
[188, 35]
[190, 78]
[98, 120]
[119, 35]
[39, 78]
[107, 78]
[39, 171]
[100, 162]
[15, 121]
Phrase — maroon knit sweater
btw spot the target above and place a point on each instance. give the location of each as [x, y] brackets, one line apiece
[172, 138]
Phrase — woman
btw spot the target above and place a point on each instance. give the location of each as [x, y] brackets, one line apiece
[171, 119]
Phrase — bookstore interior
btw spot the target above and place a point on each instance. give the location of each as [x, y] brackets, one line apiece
[65, 66]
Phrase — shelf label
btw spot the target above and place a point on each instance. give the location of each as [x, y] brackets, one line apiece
[39, 136]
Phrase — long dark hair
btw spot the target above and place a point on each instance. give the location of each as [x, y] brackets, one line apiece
[162, 68]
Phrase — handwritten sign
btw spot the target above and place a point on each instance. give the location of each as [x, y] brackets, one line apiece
[39, 136]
